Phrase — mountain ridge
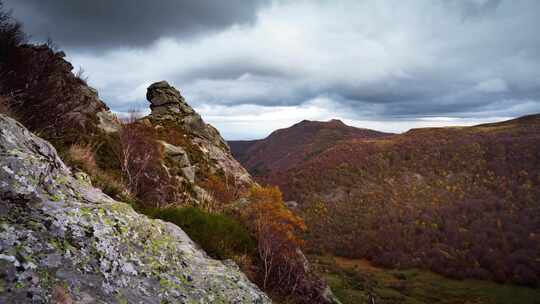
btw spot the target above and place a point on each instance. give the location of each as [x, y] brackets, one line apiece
[290, 145]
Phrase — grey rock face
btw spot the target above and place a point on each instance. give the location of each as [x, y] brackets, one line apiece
[177, 153]
[167, 103]
[108, 122]
[161, 94]
[58, 232]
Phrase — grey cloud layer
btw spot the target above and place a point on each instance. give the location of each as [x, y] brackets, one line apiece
[446, 58]
[113, 23]
[372, 59]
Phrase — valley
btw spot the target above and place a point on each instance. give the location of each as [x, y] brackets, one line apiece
[354, 281]
[459, 201]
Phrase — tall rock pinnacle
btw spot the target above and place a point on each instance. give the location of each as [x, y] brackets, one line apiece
[167, 104]
[171, 111]
[165, 99]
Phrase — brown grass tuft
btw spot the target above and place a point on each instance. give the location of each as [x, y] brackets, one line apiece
[82, 156]
[60, 295]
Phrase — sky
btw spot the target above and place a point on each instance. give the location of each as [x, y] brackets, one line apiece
[250, 67]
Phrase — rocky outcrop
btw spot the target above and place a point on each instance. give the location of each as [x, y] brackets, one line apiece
[48, 97]
[167, 103]
[201, 150]
[60, 238]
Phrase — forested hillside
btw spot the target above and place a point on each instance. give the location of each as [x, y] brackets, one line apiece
[462, 201]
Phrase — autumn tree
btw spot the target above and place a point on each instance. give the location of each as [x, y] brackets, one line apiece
[276, 229]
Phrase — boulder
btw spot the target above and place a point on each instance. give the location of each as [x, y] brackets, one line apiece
[62, 238]
[108, 122]
[178, 154]
[163, 95]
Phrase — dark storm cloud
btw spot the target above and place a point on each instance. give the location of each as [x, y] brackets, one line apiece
[131, 23]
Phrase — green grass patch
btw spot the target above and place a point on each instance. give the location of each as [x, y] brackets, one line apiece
[354, 282]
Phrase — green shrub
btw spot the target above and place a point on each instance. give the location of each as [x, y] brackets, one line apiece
[219, 235]
[106, 154]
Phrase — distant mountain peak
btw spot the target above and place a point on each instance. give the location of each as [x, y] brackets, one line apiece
[289, 146]
[329, 123]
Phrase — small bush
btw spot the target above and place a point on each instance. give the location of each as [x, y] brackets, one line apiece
[221, 193]
[219, 189]
[220, 236]
[282, 265]
[81, 76]
[106, 151]
[111, 186]
[60, 295]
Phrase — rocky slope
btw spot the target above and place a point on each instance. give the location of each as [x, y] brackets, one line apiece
[188, 152]
[62, 241]
[42, 90]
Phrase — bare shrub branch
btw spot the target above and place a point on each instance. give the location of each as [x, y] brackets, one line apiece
[51, 44]
[81, 75]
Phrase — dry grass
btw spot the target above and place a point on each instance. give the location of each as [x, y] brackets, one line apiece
[494, 128]
[82, 156]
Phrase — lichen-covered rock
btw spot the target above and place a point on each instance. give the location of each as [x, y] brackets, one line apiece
[58, 235]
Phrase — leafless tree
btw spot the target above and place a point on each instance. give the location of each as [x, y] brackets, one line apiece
[136, 151]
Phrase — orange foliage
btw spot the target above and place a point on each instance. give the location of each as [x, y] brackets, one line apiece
[219, 190]
[276, 229]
